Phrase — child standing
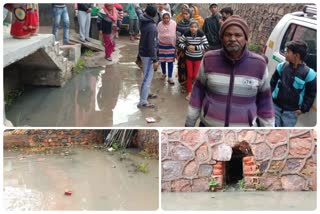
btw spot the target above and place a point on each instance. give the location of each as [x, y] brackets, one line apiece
[293, 85]
[107, 18]
[120, 17]
[194, 42]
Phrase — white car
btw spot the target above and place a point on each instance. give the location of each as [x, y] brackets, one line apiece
[300, 25]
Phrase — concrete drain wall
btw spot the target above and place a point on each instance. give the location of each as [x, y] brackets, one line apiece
[280, 159]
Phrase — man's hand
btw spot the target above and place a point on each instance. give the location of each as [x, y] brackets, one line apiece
[89, 10]
[155, 66]
[299, 112]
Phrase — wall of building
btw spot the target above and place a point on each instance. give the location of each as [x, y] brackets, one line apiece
[261, 18]
[282, 159]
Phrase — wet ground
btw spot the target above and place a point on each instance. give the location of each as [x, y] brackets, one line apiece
[103, 96]
[232, 201]
[99, 180]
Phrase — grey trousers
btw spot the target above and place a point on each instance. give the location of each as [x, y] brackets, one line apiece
[84, 20]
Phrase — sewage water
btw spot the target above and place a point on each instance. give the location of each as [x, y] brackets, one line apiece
[104, 96]
[232, 201]
[99, 180]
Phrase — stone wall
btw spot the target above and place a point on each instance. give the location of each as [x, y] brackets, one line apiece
[52, 137]
[261, 18]
[280, 159]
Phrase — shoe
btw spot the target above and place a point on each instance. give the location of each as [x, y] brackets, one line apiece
[170, 81]
[136, 37]
[83, 41]
[146, 105]
[108, 58]
[152, 96]
[87, 40]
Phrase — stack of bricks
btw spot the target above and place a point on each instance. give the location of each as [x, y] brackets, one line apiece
[218, 173]
[250, 173]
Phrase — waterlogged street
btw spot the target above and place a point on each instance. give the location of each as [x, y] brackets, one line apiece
[232, 201]
[103, 96]
[97, 179]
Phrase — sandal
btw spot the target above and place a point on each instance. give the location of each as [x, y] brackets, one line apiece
[170, 81]
[163, 77]
[146, 105]
[152, 96]
[188, 97]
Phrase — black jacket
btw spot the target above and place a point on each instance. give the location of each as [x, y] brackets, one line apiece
[84, 7]
[148, 45]
[211, 28]
[294, 89]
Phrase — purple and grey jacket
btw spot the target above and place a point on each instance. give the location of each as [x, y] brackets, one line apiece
[231, 92]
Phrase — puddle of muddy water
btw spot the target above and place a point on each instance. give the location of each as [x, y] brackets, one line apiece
[232, 201]
[99, 180]
[100, 97]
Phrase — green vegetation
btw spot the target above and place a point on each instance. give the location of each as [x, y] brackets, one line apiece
[79, 66]
[116, 145]
[88, 53]
[213, 183]
[12, 96]
[254, 47]
[260, 187]
[143, 167]
[241, 184]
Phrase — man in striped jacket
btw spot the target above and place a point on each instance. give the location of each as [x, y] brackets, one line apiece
[232, 88]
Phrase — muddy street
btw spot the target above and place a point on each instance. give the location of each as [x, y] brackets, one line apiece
[231, 201]
[102, 96]
[99, 180]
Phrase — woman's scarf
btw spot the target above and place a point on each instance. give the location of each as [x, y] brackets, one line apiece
[197, 17]
[113, 15]
[167, 33]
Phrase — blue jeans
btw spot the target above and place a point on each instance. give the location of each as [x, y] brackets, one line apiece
[164, 68]
[133, 26]
[147, 78]
[284, 118]
[58, 14]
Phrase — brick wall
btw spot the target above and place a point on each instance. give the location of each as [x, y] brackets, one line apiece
[281, 159]
[52, 137]
[261, 18]
[146, 139]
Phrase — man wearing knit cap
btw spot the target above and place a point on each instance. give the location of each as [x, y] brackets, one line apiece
[211, 27]
[232, 87]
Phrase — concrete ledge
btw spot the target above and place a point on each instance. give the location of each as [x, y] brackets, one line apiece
[16, 49]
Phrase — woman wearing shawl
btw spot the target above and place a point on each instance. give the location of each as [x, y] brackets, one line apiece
[196, 16]
[182, 27]
[107, 25]
[25, 21]
[167, 50]
[180, 15]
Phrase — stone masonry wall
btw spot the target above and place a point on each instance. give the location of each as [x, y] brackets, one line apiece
[261, 18]
[282, 159]
[53, 137]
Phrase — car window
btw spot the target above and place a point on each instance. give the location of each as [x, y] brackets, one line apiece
[308, 35]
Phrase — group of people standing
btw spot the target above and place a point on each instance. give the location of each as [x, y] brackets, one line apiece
[182, 39]
[227, 84]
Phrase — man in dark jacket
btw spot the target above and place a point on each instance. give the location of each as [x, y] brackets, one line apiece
[148, 48]
[294, 85]
[211, 28]
[84, 19]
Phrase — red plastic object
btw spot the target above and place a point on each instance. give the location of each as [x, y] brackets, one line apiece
[68, 192]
